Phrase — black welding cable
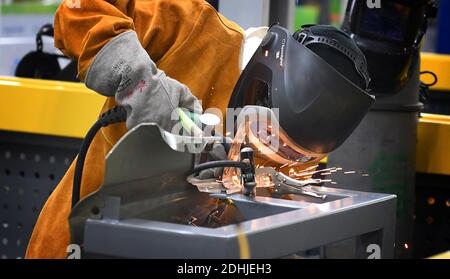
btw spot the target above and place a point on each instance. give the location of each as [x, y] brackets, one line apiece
[425, 87]
[112, 116]
[218, 164]
[435, 78]
[115, 115]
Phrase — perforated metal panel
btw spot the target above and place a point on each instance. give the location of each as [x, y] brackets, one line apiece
[432, 219]
[30, 168]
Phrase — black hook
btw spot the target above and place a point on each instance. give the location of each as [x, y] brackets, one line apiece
[46, 30]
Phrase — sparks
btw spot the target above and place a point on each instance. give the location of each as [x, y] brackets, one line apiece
[313, 167]
[285, 165]
[325, 180]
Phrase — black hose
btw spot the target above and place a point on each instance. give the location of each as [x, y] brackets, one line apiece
[112, 116]
[80, 161]
[424, 88]
[218, 164]
[115, 115]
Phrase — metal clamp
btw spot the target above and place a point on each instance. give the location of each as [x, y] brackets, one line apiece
[248, 174]
[284, 184]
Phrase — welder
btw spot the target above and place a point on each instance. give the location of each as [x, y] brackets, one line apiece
[154, 56]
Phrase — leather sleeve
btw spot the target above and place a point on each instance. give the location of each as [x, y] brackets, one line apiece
[82, 28]
[161, 25]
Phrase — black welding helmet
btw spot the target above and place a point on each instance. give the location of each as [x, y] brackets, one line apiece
[390, 36]
[316, 79]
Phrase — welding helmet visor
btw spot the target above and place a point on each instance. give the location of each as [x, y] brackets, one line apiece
[390, 37]
[317, 106]
[258, 127]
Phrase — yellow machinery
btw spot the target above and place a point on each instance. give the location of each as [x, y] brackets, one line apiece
[443, 256]
[433, 148]
[44, 107]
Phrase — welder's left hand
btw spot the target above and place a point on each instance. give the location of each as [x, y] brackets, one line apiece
[124, 69]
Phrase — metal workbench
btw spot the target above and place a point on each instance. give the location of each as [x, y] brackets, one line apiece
[367, 220]
[142, 208]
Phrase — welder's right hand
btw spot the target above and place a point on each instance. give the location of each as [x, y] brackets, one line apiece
[124, 69]
[218, 151]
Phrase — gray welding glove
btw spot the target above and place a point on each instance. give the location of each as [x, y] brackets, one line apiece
[216, 152]
[124, 70]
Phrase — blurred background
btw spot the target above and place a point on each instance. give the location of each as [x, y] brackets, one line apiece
[21, 19]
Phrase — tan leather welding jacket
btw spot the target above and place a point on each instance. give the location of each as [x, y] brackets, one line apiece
[187, 39]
